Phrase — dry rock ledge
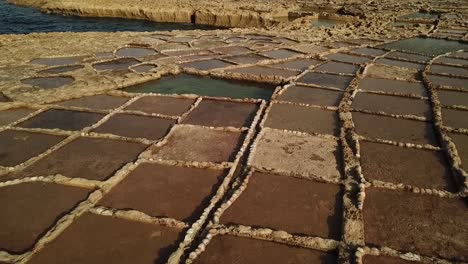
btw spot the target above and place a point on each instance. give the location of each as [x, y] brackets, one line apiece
[357, 154]
[289, 18]
[221, 14]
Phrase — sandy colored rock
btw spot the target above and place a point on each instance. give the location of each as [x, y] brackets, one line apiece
[299, 154]
[58, 60]
[278, 42]
[409, 222]
[47, 82]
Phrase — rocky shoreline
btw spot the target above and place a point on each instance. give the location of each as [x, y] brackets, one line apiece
[202, 13]
[356, 155]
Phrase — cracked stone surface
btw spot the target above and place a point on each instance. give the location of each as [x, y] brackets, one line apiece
[301, 154]
[47, 82]
[393, 86]
[263, 140]
[389, 72]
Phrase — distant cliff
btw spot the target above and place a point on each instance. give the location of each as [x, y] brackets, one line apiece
[230, 14]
